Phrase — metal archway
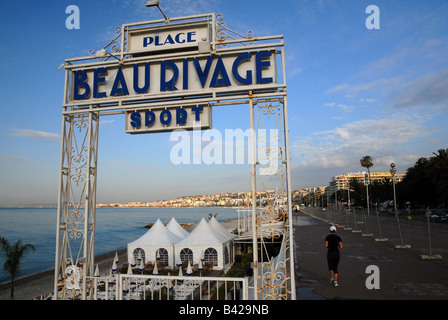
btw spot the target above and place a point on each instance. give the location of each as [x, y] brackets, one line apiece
[90, 94]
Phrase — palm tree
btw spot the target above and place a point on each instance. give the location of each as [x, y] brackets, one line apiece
[367, 162]
[14, 254]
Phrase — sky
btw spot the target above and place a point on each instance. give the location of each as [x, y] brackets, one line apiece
[352, 91]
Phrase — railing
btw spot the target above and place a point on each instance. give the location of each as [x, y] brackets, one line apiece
[157, 287]
[419, 230]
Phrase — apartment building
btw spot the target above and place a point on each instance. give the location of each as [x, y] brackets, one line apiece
[342, 181]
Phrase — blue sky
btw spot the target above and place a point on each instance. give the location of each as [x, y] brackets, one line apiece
[351, 92]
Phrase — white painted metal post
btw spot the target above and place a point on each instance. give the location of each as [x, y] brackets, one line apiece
[57, 263]
[254, 198]
[288, 182]
[288, 187]
[76, 201]
[90, 201]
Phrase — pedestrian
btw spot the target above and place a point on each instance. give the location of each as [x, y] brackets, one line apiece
[333, 242]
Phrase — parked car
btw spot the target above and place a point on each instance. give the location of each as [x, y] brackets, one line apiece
[436, 215]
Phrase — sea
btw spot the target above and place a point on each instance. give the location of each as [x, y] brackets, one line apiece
[115, 228]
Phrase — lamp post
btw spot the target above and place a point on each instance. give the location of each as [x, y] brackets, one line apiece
[155, 3]
[349, 209]
[367, 179]
[393, 171]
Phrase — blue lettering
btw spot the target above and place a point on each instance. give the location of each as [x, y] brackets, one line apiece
[190, 36]
[171, 83]
[147, 41]
[165, 121]
[197, 111]
[150, 118]
[240, 59]
[177, 38]
[145, 87]
[185, 74]
[260, 64]
[97, 80]
[157, 43]
[136, 119]
[224, 81]
[169, 40]
[203, 74]
[181, 37]
[181, 116]
[80, 81]
[119, 80]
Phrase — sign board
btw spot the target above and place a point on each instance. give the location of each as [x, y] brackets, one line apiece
[169, 119]
[201, 75]
[169, 37]
[159, 67]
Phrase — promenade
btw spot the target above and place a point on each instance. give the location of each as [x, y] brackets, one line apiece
[403, 274]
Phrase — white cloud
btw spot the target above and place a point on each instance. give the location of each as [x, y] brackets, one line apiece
[15, 159]
[343, 146]
[341, 106]
[37, 135]
[107, 122]
[427, 91]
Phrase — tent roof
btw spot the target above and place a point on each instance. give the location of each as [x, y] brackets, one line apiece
[204, 234]
[219, 228]
[157, 235]
[177, 229]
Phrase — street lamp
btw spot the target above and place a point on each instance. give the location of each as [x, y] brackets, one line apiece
[367, 179]
[393, 171]
[155, 3]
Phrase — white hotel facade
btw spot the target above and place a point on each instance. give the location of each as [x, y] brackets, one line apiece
[341, 182]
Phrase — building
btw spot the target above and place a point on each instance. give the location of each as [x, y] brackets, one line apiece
[341, 182]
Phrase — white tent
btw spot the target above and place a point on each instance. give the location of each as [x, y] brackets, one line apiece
[156, 240]
[207, 243]
[220, 229]
[177, 229]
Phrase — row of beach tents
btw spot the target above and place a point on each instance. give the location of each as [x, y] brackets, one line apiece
[178, 245]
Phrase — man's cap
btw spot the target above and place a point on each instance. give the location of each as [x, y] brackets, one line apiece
[332, 229]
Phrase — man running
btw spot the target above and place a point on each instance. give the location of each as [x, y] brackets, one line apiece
[333, 242]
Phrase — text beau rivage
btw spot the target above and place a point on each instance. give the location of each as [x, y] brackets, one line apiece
[192, 74]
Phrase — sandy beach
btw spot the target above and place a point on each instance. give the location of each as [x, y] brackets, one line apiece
[36, 285]
[33, 286]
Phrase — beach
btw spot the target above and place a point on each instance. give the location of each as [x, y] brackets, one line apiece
[34, 286]
[42, 283]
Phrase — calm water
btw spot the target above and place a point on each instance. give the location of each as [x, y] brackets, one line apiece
[115, 228]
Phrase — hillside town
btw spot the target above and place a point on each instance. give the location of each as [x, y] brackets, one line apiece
[224, 199]
[239, 199]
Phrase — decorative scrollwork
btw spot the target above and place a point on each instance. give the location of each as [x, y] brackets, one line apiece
[269, 109]
[114, 45]
[80, 122]
[73, 277]
[274, 279]
[223, 33]
[75, 218]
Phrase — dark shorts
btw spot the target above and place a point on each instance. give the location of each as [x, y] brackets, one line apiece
[333, 261]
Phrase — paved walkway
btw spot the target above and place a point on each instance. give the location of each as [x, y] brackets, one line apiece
[403, 275]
